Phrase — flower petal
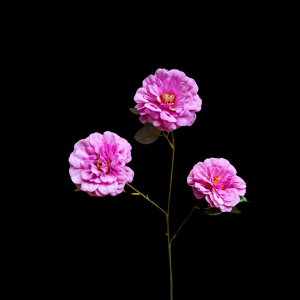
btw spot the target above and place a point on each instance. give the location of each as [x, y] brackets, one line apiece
[153, 107]
[82, 144]
[86, 174]
[81, 153]
[76, 178]
[95, 137]
[143, 119]
[89, 186]
[151, 80]
[184, 118]
[161, 74]
[95, 170]
[109, 137]
[165, 115]
[197, 194]
[76, 162]
[156, 123]
[74, 171]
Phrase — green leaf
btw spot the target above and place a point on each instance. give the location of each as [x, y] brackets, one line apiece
[148, 134]
[77, 190]
[134, 110]
[235, 211]
[213, 211]
[243, 199]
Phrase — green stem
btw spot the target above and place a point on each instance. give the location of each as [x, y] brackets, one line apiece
[166, 136]
[174, 236]
[167, 216]
[146, 198]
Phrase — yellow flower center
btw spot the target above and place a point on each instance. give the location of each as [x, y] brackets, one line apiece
[167, 98]
[216, 181]
[98, 164]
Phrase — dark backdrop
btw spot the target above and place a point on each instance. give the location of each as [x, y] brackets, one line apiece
[118, 244]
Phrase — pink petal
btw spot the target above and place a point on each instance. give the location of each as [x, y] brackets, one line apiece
[208, 199]
[103, 188]
[140, 105]
[95, 170]
[86, 174]
[98, 193]
[152, 91]
[184, 118]
[76, 162]
[129, 174]
[71, 156]
[198, 194]
[82, 144]
[153, 107]
[166, 116]
[161, 74]
[224, 208]
[98, 146]
[73, 171]
[95, 137]
[166, 86]
[217, 198]
[169, 126]
[143, 119]
[111, 177]
[150, 80]
[201, 188]
[231, 168]
[109, 137]
[112, 187]
[156, 123]
[76, 178]
[141, 111]
[88, 186]
[139, 98]
[81, 153]
[207, 163]
[154, 115]
[236, 200]
[98, 180]
[90, 151]
[94, 176]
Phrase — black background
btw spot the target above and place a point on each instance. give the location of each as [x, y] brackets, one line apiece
[117, 245]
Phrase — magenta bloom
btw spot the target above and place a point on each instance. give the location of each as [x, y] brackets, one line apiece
[97, 164]
[216, 179]
[168, 100]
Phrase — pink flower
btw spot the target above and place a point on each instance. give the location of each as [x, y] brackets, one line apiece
[216, 179]
[97, 164]
[168, 100]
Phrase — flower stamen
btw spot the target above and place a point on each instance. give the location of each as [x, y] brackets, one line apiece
[216, 182]
[216, 179]
[98, 164]
[167, 98]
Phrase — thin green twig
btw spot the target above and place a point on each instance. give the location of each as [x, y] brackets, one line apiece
[146, 198]
[184, 222]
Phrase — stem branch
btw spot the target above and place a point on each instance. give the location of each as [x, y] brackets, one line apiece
[167, 217]
[184, 222]
[146, 198]
[168, 139]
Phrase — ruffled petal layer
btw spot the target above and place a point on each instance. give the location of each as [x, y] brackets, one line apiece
[98, 164]
[216, 180]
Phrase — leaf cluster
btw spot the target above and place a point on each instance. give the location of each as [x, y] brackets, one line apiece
[214, 211]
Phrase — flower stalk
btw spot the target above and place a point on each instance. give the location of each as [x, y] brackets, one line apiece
[167, 217]
[174, 236]
[145, 197]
